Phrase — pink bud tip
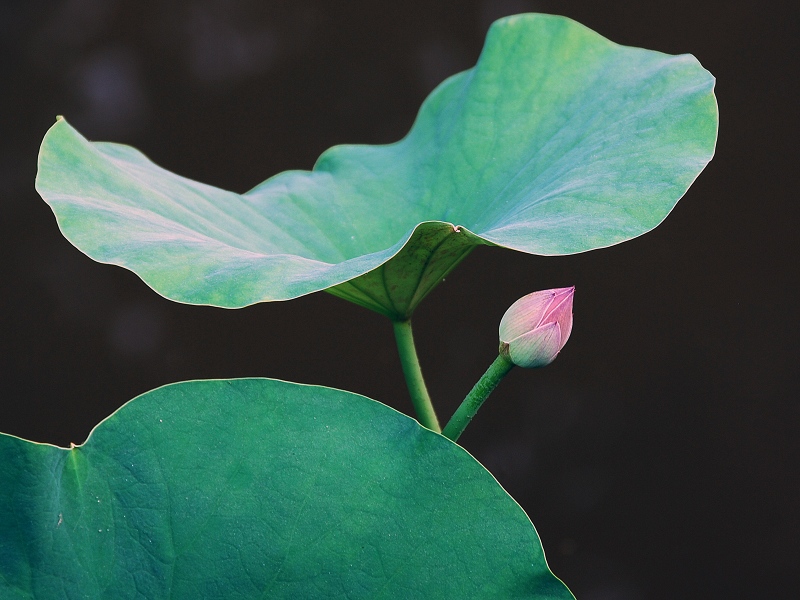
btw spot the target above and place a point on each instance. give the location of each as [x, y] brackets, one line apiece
[535, 328]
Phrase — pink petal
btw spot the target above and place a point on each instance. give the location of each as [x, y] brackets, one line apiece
[536, 348]
[525, 314]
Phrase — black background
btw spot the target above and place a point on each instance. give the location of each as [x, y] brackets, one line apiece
[658, 456]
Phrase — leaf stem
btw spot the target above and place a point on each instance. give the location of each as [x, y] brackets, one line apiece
[477, 396]
[413, 374]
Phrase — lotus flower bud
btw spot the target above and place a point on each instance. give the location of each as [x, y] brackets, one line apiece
[536, 327]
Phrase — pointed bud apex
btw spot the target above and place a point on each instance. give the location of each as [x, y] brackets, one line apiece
[536, 327]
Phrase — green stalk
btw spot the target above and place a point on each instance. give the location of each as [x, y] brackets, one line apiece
[477, 396]
[413, 374]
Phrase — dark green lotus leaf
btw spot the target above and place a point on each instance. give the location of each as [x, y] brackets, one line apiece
[257, 488]
[558, 141]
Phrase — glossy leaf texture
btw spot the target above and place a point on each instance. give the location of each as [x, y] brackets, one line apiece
[259, 488]
[558, 141]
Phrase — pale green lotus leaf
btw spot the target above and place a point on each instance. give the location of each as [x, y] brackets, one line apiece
[558, 141]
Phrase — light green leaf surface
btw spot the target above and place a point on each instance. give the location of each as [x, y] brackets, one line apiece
[258, 488]
[558, 141]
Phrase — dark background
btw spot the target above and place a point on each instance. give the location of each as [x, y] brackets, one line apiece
[658, 456]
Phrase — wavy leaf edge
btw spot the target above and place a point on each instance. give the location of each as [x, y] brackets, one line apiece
[313, 275]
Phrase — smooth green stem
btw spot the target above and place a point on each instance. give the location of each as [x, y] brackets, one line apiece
[413, 375]
[477, 396]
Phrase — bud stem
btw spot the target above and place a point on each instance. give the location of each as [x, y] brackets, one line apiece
[413, 374]
[477, 396]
